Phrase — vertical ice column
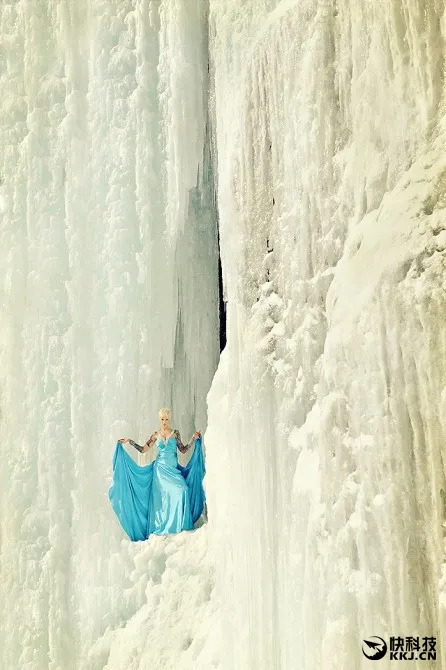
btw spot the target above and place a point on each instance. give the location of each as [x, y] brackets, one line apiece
[320, 110]
[108, 249]
[184, 258]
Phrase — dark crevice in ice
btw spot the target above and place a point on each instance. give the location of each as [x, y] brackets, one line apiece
[221, 303]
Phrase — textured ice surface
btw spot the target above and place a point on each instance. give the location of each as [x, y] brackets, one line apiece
[326, 430]
[330, 393]
[109, 297]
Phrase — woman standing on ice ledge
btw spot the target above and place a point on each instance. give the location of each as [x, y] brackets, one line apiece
[162, 497]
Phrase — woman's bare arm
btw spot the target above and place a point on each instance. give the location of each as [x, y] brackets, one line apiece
[183, 447]
[146, 446]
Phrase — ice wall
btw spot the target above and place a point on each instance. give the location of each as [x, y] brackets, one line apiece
[325, 458]
[109, 300]
[327, 410]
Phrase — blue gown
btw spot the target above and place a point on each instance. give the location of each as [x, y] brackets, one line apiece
[160, 498]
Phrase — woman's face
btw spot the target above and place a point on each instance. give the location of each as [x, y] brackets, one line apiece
[165, 421]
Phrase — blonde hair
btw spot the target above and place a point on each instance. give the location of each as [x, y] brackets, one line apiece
[164, 412]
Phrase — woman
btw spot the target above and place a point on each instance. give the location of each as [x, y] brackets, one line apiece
[162, 497]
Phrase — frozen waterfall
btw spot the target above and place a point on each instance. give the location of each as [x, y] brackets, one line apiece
[301, 144]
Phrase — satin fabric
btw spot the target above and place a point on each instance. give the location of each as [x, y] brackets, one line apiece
[160, 498]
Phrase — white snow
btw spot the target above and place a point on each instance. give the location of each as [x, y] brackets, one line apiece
[318, 133]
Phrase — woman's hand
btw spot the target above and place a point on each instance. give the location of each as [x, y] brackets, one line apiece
[123, 440]
[196, 434]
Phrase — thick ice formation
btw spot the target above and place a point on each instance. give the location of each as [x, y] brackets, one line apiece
[109, 297]
[324, 138]
[327, 404]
